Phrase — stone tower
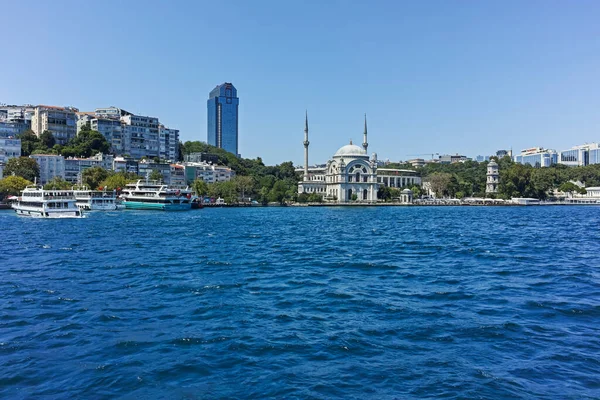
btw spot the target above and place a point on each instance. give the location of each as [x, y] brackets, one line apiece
[493, 178]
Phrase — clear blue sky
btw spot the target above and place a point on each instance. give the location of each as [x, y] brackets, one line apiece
[433, 76]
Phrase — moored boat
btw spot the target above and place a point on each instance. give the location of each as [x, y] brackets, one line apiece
[39, 203]
[152, 195]
[96, 199]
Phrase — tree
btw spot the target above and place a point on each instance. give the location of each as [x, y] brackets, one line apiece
[440, 182]
[200, 187]
[47, 140]
[117, 181]
[12, 186]
[278, 192]
[86, 144]
[155, 175]
[57, 183]
[29, 142]
[92, 177]
[24, 167]
[570, 187]
[244, 184]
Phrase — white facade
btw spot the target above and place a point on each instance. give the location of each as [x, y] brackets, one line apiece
[492, 178]
[207, 172]
[143, 135]
[61, 121]
[537, 157]
[168, 143]
[582, 155]
[74, 167]
[50, 166]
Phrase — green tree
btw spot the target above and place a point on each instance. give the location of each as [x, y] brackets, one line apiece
[117, 181]
[12, 186]
[244, 185]
[278, 192]
[87, 143]
[29, 142]
[315, 198]
[92, 177]
[155, 175]
[440, 183]
[57, 183]
[200, 187]
[24, 167]
[47, 140]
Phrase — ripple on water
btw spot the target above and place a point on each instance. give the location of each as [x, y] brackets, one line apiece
[392, 302]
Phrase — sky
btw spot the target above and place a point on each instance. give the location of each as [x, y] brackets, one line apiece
[447, 77]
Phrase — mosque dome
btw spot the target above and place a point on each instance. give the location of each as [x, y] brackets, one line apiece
[350, 150]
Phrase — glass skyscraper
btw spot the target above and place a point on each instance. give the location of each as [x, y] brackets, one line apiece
[222, 118]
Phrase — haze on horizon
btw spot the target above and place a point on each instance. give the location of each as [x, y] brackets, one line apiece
[433, 77]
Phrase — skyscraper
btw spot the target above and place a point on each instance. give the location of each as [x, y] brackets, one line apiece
[222, 118]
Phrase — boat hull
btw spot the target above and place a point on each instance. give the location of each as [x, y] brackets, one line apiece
[139, 205]
[49, 214]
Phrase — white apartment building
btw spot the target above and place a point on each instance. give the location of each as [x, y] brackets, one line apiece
[168, 143]
[209, 173]
[50, 166]
[61, 121]
[143, 135]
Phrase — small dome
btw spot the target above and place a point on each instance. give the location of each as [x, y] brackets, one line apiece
[492, 163]
[351, 150]
[406, 191]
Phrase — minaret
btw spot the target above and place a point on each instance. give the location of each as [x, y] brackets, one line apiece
[365, 143]
[306, 143]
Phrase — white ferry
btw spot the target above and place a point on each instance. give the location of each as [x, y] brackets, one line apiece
[96, 199]
[40, 203]
[152, 195]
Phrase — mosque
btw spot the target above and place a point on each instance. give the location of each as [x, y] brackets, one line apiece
[351, 175]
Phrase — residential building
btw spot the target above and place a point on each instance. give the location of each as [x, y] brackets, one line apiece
[15, 120]
[129, 165]
[209, 173]
[580, 155]
[177, 175]
[74, 167]
[537, 157]
[142, 133]
[50, 166]
[10, 147]
[146, 167]
[202, 157]
[61, 121]
[222, 118]
[168, 143]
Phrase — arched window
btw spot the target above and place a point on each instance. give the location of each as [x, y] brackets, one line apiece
[358, 177]
[365, 194]
[349, 194]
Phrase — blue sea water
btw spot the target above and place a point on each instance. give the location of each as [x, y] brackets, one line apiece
[352, 303]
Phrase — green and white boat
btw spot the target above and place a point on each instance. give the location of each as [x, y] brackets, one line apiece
[152, 195]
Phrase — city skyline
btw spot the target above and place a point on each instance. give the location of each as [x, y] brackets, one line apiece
[467, 78]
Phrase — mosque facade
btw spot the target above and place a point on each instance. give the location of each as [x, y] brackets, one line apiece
[350, 175]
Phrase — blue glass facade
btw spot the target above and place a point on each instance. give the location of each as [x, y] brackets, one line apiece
[537, 159]
[222, 118]
[594, 156]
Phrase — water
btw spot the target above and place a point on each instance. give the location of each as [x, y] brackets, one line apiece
[377, 303]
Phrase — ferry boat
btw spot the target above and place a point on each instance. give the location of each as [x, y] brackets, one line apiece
[152, 195]
[96, 199]
[39, 203]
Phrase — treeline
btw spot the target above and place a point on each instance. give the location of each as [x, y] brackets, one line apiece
[254, 180]
[468, 179]
[86, 144]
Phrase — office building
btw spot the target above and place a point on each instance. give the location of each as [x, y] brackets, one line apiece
[537, 157]
[222, 118]
[578, 156]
